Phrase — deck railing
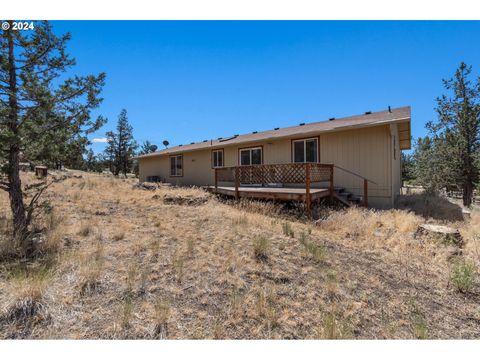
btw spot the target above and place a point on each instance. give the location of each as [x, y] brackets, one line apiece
[278, 174]
[365, 183]
[284, 175]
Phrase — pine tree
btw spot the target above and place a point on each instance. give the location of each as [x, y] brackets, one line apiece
[456, 140]
[62, 146]
[34, 100]
[121, 146]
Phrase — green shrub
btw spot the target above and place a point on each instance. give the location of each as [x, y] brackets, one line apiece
[420, 327]
[287, 230]
[316, 252]
[463, 276]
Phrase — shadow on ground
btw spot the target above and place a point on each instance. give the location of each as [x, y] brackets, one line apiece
[430, 206]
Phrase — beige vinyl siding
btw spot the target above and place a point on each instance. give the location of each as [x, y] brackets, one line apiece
[274, 152]
[366, 151]
[154, 166]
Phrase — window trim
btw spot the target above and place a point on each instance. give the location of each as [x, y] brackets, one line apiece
[250, 148]
[223, 158]
[304, 140]
[170, 164]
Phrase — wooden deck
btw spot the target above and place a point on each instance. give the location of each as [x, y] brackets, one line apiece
[271, 193]
[254, 181]
[295, 180]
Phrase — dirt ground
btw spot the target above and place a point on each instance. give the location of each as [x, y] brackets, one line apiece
[120, 261]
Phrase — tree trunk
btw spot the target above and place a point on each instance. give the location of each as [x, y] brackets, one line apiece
[14, 182]
[467, 193]
[16, 194]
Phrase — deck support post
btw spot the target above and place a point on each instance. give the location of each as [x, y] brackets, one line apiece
[308, 198]
[237, 182]
[365, 192]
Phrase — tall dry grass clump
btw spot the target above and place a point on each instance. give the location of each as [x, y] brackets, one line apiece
[91, 271]
[313, 250]
[372, 228]
[335, 326]
[259, 207]
[261, 248]
[7, 245]
[28, 307]
[162, 314]
[54, 232]
[48, 230]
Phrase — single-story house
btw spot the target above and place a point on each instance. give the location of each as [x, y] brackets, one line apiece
[360, 148]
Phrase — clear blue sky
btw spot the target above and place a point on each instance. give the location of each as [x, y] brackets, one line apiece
[195, 80]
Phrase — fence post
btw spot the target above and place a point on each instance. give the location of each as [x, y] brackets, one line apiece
[307, 191]
[237, 181]
[365, 192]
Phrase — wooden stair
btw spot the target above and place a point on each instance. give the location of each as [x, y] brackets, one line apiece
[346, 198]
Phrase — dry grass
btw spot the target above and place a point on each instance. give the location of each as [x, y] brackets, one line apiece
[120, 263]
[261, 248]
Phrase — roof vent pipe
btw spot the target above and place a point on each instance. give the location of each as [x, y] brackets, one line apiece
[389, 109]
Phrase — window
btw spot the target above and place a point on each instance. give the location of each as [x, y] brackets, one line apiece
[176, 165]
[217, 158]
[305, 150]
[251, 156]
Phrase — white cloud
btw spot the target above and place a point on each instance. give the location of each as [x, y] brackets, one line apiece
[100, 140]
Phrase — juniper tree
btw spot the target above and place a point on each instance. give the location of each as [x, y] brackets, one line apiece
[92, 162]
[36, 99]
[121, 146]
[458, 127]
[432, 170]
[146, 148]
[408, 167]
[456, 132]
